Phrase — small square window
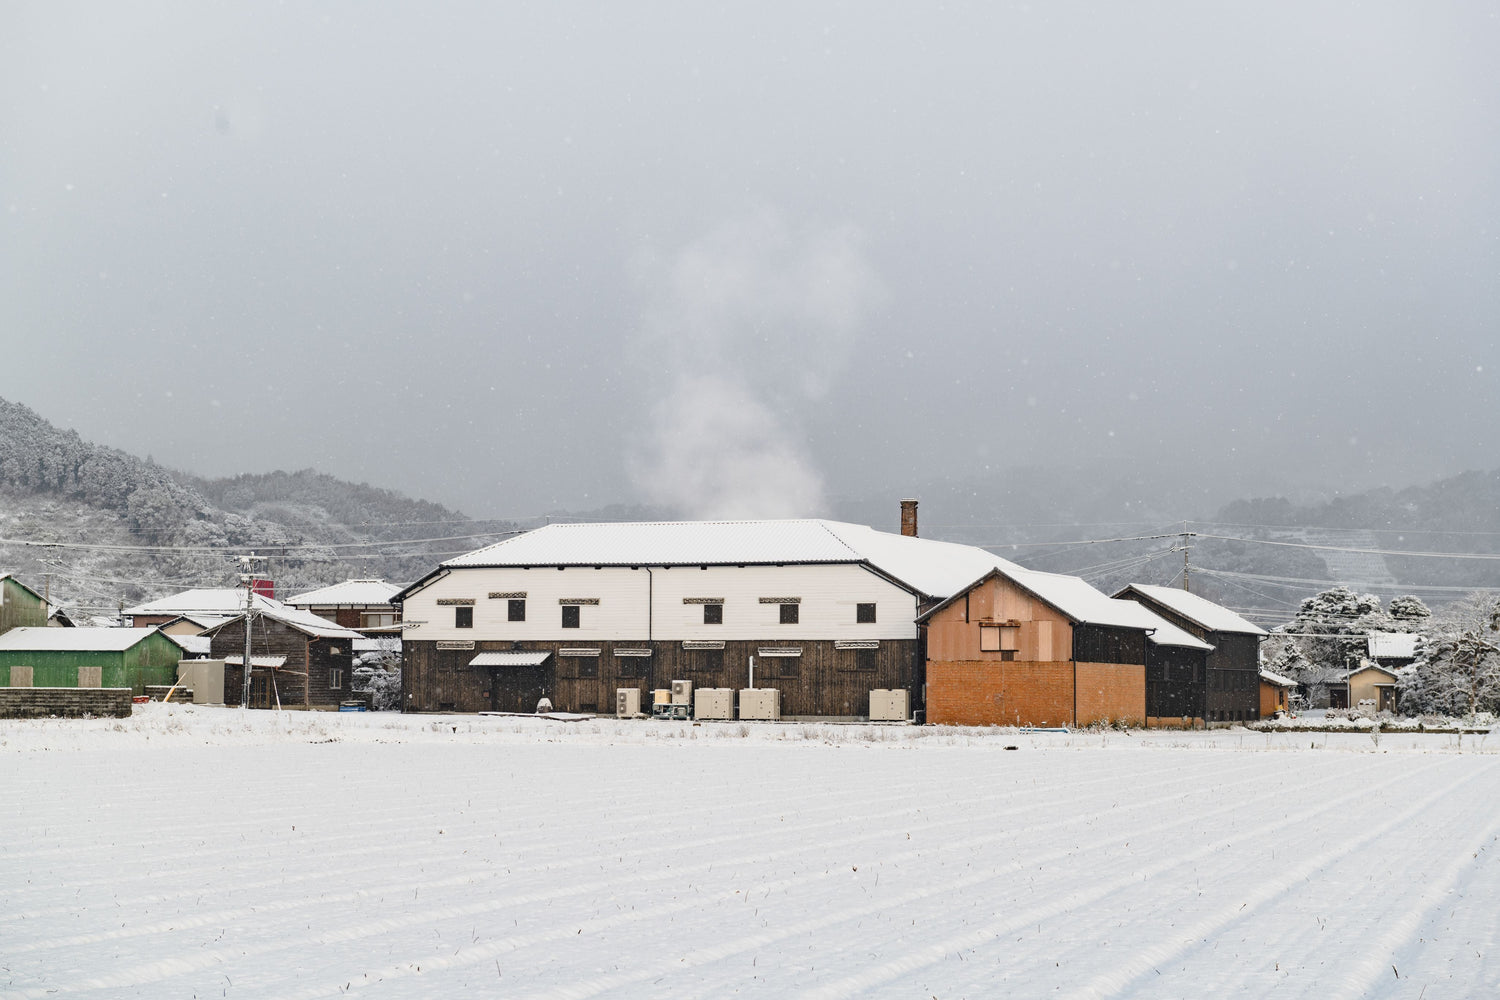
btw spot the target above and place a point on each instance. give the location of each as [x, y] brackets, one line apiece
[515, 610]
[463, 617]
[789, 613]
[570, 616]
[713, 614]
[864, 614]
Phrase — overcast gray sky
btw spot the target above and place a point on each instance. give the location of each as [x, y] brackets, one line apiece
[747, 257]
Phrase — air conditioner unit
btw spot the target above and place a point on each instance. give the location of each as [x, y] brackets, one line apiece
[713, 703]
[682, 692]
[760, 703]
[661, 696]
[627, 702]
[890, 705]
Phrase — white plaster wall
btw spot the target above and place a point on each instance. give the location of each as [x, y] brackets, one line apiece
[829, 595]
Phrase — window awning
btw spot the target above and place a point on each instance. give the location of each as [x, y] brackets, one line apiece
[256, 661]
[521, 658]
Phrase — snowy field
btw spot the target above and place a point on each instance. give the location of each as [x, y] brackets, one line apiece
[208, 852]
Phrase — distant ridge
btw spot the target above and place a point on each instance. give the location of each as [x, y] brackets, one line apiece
[56, 487]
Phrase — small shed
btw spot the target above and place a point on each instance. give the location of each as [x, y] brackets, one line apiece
[1368, 687]
[296, 659]
[1275, 693]
[38, 656]
[20, 606]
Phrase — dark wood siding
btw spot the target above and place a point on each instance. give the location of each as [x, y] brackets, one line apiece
[823, 681]
[303, 681]
[1174, 682]
[1233, 688]
[1103, 644]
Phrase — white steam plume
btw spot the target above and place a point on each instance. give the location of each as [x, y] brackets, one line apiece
[743, 328]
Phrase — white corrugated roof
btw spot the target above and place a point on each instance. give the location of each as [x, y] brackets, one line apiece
[1277, 679]
[256, 661]
[87, 639]
[1392, 645]
[226, 601]
[350, 592]
[933, 568]
[524, 658]
[1214, 617]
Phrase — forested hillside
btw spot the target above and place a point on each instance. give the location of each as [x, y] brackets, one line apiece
[122, 529]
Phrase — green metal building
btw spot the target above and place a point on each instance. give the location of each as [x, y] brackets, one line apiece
[19, 605]
[88, 657]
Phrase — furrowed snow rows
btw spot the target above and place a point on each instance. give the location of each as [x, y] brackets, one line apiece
[586, 868]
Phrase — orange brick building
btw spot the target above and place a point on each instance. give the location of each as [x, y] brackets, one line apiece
[1024, 648]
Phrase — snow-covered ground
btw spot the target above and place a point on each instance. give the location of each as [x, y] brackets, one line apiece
[208, 852]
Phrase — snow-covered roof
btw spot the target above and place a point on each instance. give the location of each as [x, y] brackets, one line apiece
[1214, 617]
[349, 593]
[303, 621]
[87, 639]
[1277, 679]
[197, 645]
[227, 602]
[1163, 632]
[933, 568]
[1080, 601]
[1393, 645]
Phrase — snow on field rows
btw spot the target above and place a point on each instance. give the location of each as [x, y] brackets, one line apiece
[206, 852]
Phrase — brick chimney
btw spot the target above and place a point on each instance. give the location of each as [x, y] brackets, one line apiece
[909, 518]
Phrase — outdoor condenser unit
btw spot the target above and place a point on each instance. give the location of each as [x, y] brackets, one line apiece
[890, 705]
[760, 703]
[627, 702]
[682, 692]
[713, 703]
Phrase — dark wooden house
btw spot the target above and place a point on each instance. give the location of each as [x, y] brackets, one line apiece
[297, 659]
[1231, 688]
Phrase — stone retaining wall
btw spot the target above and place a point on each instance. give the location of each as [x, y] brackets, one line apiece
[68, 703]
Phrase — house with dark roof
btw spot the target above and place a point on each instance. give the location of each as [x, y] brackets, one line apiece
[1231, 686]
[297, 660]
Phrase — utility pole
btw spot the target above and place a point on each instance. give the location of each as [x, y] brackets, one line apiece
[1185, 536]
[248, 579]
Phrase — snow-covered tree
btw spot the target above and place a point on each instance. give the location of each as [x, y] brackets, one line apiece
[1458, 671]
